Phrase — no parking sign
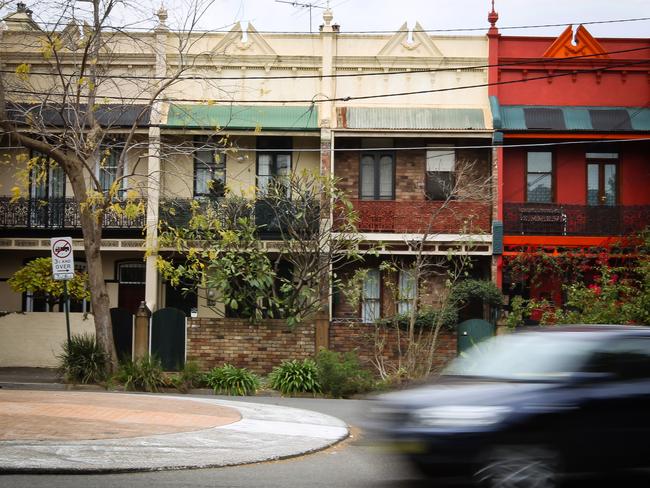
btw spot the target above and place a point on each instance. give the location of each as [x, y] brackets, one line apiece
[62, 258]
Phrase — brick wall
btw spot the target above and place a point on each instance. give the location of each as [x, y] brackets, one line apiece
[259, 347]
[357, 337]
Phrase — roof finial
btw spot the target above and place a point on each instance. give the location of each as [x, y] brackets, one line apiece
[493, 16]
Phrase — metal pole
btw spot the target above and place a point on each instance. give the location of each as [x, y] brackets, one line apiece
[66, 304]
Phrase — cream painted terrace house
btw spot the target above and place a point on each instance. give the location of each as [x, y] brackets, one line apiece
[323, 102]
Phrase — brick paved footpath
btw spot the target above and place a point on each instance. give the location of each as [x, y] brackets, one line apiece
[39, 415]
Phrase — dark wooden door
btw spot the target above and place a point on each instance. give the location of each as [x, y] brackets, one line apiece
[130, 296]
[122, 321]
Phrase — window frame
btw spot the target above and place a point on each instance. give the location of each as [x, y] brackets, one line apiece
[452, 173]
[601, 159]
[376, 302]
[116, 152]
[377, 155]
[553, 174]
[405, 296]
[214, 168]
[272, 147]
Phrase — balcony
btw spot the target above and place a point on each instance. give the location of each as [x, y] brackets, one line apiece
[574, 220]
[273, 219]
[423, 216]
[40, 217]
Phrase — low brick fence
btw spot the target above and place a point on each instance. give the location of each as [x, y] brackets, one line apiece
[358, 337]
[259, 347]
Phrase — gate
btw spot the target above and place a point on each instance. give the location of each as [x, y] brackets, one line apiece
[473, 331]
[122, 321]
[168, 337]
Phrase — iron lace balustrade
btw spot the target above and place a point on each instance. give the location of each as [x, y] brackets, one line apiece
[574, 220]
[273, 219]
[433, 217]
[36, 215]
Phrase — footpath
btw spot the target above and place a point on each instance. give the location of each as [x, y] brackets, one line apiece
[46, 429]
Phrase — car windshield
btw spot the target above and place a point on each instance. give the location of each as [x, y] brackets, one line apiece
[532, 356]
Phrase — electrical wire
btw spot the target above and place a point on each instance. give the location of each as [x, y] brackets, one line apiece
[340, 99]
[346, 75]
[451, 29]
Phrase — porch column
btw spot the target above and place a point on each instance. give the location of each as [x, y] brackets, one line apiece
[153, 188]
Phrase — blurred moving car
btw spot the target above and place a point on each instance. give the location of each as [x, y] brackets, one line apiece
[526, 409]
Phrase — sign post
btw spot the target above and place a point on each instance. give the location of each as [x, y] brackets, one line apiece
[63, 269]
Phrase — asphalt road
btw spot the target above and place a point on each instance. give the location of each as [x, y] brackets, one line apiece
[354, 463]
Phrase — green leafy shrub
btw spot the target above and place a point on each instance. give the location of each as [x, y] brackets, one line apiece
[82, 360]
[341, 375]
[144, 374]
[230, 380]
[295, 376]
[187, 378]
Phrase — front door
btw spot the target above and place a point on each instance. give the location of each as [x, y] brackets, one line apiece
[602, 197]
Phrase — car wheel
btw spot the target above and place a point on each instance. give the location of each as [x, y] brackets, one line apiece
[518, 467]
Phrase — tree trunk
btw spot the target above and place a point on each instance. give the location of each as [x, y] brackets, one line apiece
[92, 232]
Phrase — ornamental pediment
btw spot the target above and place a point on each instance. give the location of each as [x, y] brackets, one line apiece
[240, 42]
[581, 44]
[406, 43]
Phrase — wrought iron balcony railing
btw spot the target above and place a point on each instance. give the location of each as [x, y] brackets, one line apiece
[574, 220]
[54, 214]
[272, 218]
[423, 216]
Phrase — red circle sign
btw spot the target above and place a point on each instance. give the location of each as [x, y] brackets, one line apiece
[61, 249]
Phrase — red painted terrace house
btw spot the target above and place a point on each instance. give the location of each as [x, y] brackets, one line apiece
[572, 126]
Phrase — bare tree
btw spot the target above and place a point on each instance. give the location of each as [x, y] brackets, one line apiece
[67, 98]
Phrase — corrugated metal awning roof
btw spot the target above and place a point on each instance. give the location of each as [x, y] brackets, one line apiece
[558, 118]
[406, 118]
[243, 117]
[57, 115]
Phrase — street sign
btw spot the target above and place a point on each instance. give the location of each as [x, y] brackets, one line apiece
[62, 258]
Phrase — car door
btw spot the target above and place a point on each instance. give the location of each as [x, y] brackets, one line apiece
[616, 405]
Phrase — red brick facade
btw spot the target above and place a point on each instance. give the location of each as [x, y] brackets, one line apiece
[214, 341]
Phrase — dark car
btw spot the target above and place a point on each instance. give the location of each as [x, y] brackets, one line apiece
[527, 408]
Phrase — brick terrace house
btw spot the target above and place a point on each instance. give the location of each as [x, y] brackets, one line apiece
[571, 115]
[314, 102]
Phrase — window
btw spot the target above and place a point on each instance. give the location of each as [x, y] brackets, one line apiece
[131, 273]
[209, 171]
[377, 174]
[371, 302]
[407, 290]
[274, 166]
[46, 192]
[107, 169]
[440, 177]
[539, 177]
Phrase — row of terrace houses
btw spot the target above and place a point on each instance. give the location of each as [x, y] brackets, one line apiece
[398, 119]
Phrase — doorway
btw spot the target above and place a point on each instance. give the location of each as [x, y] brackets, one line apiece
[131, 279]
[602, 194]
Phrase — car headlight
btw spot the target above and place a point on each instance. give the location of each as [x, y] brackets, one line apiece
[460, 416]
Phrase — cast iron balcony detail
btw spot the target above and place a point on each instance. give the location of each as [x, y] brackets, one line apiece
[32, 214]
[418, 217]
[273, 219]
[574, 220]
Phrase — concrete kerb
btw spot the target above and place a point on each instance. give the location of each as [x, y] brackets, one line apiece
[265, 433]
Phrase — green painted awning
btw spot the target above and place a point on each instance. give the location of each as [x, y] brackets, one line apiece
[569, 119]
[410, 118]
[243, 117]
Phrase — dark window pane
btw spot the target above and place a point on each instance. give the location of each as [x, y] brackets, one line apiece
[539, 188]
